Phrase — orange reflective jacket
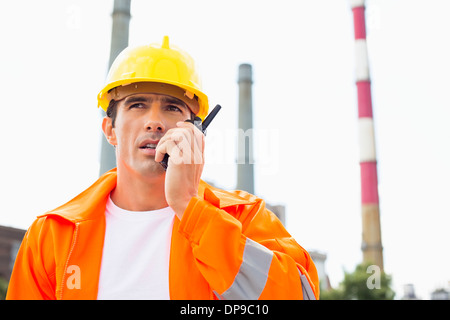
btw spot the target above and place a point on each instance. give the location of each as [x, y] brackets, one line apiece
[226, 246]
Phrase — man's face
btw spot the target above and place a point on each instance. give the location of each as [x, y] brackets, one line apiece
[142, 119]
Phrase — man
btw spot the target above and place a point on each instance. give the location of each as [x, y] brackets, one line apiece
[142, 232]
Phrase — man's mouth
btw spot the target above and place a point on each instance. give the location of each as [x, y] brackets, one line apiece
[149, 146]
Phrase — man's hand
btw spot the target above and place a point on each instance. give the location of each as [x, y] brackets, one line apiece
[185, 146]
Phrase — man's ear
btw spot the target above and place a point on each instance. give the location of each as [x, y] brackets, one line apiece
[109, 131]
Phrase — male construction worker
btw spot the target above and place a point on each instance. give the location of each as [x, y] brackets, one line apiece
[143, 232]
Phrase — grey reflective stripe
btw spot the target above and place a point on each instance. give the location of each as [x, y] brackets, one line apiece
[252, 276]
[308, 293]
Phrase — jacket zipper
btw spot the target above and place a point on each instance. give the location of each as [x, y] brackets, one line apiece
[74, 239]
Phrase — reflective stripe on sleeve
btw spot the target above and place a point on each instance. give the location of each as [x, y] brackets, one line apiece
[308, 293]
[252, 276]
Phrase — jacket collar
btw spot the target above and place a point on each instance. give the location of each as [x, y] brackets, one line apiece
[86, 205]
[90, 204]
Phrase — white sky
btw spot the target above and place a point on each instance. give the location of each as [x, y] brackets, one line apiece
[54, 60]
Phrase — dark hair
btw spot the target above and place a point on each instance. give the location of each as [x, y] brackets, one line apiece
[111, 112]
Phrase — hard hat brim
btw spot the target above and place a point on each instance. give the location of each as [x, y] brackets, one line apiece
[103, 100]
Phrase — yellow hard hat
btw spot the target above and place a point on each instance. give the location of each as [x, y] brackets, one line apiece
[155, 63]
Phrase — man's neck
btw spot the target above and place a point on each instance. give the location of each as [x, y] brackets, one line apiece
[135, 192]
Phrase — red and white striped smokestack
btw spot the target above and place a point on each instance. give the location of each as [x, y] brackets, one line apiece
[371, 230]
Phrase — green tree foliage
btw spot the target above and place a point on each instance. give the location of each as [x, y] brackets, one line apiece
[3, 288]
[367, 282]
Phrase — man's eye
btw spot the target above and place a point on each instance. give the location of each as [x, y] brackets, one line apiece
[173, 108]
[136, 105]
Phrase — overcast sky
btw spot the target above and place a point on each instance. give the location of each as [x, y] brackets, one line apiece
[54, 60]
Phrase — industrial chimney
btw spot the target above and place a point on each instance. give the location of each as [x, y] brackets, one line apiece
[371, 230]
[119, 41]
[245, 178]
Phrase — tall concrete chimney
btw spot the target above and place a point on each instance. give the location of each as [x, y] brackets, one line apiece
[245, 178]
[119, 41]
[371, 229]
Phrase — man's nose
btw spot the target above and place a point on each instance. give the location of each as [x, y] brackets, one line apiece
[154, 122]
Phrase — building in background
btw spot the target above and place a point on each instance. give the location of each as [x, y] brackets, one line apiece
[279, 210]
[10, 240]
[319, 259]
[409, 292]
[441, 293]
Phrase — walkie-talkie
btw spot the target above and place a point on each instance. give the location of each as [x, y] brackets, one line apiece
[200, 125]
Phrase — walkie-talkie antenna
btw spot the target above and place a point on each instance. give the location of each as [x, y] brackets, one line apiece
[210, 117]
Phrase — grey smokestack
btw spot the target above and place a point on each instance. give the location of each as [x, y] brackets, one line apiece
[119, 41]
[245, 178]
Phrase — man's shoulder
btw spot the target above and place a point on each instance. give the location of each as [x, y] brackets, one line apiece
[48, 229]
[223, 198]
[87, 205]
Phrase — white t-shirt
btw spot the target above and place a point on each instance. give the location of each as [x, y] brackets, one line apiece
[136, 252]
